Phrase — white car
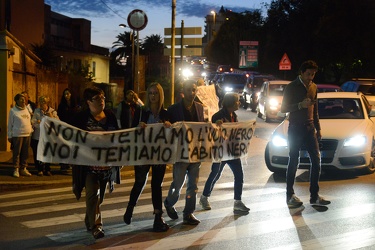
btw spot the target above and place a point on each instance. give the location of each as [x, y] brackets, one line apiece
[270, 98]
[347, 135]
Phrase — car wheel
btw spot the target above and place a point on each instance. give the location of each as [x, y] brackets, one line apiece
[258, 113]
[269, 165]
[245, 104]
[371, 167]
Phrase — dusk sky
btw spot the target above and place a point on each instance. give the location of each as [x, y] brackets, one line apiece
[106, 15]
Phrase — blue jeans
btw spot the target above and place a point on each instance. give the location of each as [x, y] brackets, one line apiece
[216, 170]
[298, 136]
[180, 171]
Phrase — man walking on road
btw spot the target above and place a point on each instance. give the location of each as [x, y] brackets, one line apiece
[185, 110]
[300, 100]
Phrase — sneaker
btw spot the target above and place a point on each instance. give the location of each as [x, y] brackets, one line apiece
[294, 202]
[320, 201]
[204, 202]
[25, 172]
[16, 173]
[240, 207]
[190, 219]
[40, 173]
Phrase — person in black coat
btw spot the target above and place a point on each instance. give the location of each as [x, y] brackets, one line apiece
[153, 112]
[185, 110]
[94, 178]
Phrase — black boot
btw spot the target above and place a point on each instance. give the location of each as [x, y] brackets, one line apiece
[159, 224]
[128, 214]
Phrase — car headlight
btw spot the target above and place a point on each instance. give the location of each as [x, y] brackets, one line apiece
[279, 141]
[355, 141]
[187, 73]
[273, 103]
[228, 89]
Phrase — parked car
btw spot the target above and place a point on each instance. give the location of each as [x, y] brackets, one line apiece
[230, 82]
[251, 90]
[350, 147]
[270, 98]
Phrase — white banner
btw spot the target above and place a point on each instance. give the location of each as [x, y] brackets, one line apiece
[60, 142]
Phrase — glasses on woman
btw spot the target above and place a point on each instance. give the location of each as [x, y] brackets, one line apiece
[98, 98]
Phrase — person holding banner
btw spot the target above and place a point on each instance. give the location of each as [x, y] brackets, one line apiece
[154, 112]
[185, 110]
[231, 103]
[94, 178]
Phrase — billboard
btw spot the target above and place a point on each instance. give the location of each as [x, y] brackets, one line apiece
[248, 56]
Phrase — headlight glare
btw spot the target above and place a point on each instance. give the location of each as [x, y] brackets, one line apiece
[279, 141]
[355, 141]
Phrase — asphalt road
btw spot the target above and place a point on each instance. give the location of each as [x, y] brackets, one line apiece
[52, 218]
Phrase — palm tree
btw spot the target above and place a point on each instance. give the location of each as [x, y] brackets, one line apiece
[153, 45]
[122, 48]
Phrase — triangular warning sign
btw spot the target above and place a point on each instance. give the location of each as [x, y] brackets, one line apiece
[285, 60]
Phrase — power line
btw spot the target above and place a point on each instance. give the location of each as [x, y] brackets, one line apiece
[112, 9]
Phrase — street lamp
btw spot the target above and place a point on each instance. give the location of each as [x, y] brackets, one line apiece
[133, 59]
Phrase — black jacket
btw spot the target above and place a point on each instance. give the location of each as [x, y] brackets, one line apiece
[79, 172]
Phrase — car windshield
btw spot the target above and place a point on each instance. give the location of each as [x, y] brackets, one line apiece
[235, 79]
[340, 108]
[277, 89]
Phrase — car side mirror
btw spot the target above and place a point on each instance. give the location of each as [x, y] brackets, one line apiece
[372, 113]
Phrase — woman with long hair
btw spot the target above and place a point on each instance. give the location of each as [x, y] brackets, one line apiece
[154, 112]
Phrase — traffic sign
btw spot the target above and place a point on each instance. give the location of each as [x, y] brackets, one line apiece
[285, 63]
[137, 19]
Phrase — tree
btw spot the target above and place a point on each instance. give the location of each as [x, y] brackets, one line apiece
[153, 45]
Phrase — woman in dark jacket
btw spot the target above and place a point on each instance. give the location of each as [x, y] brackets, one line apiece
[94, 178]
[153, 112]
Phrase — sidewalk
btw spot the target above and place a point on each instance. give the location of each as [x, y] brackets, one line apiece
[10, 183]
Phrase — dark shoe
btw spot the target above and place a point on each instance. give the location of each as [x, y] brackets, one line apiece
[98, 233]
[319, 201]
[47, 173]
[172, 213]
[159, 224]
[190, 219]
[294, 202]
[128, 214]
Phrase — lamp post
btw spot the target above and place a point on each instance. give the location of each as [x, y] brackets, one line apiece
[133, 59]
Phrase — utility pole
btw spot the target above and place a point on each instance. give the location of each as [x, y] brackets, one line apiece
[172, 49]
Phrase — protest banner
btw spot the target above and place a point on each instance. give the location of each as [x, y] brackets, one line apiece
[60, 142]
[207, 95]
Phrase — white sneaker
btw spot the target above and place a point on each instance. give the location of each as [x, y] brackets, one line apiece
[25, 172]
[239, 206]
[16, 173]
[204, 202]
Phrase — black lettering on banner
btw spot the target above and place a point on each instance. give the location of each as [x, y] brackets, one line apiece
[124, 150]
[139, 133]
[63, 151]
[110, 153]
[236, 149]
[200, 136]
[217, 152]
[213, 134]
[99, 154]
[189, 136]
[166, 155]
[177, 135]
[67, 133]
[161, 136]
[123, 137]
